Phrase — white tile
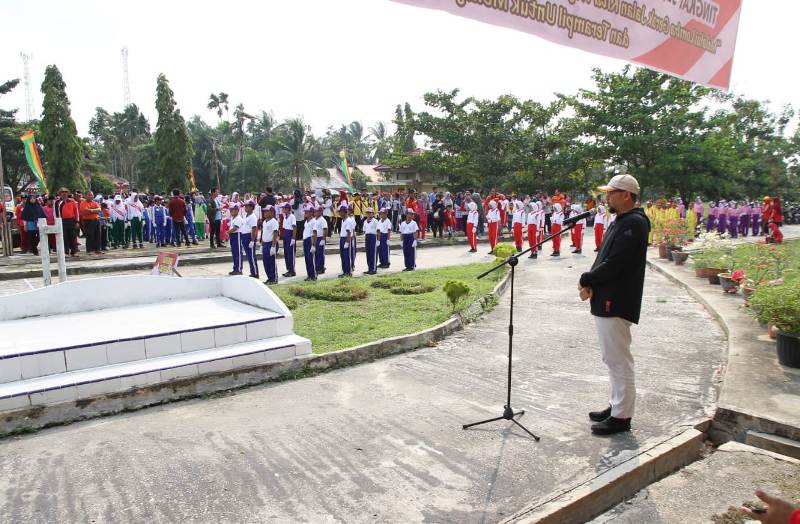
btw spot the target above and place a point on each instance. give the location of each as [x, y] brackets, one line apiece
[160, 346]
[20, 402]
[55, 396]
[10, 369]
[302, 348]
[94, 389]
[127, 351]
[197, 340]
[279, 354]
[142, 379]
[215, 366]
[86, 357]
[230, 335]
[43, 364]
[181, 372]
[254, 359]
[283, 326]
[260, 330]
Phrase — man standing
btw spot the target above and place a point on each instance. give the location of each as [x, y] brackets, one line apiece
[90, 221]
[177, 210]
[215, 217]
[67, 209]
[614, 287]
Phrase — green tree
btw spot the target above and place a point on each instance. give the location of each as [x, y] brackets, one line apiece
[297, 150]
[379, 145]
[62, 147]
[172, 140]
[15, 165]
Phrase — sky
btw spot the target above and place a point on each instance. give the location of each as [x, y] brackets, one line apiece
[330, 62]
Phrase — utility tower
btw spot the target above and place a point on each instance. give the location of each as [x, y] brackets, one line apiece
[28, 96]
[126, 82]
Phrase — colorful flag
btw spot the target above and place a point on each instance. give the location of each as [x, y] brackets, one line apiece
[346, 168]
[35, 163]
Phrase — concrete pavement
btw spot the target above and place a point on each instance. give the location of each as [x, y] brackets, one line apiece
[382, 442]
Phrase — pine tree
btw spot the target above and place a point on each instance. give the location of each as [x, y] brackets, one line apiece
[172, 140]
[63, 152]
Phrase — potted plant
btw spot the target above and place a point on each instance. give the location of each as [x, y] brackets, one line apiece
[662, 250]
[706, 249]
[731, 281]
[679, 257]
[779, 305]
[674, 235]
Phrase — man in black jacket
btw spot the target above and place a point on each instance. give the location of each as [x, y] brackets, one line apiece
[614, 288]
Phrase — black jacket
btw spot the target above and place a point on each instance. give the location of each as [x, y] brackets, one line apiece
[617, 275]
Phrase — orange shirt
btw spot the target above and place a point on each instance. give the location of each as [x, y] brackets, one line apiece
[88, 210]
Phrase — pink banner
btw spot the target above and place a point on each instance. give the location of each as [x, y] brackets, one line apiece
[690, 39]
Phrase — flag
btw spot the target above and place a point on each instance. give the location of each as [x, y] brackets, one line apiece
[346, 168]
[35, 163]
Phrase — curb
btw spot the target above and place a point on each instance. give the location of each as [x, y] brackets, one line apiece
[730, 422]
[594, 496]
[214, 384]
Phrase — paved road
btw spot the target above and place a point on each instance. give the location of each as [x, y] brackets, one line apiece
[382, 442]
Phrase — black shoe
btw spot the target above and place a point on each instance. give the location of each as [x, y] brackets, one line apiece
[309, 279]
[253, 276]
[194, 242]
[576, 251]
[221, 245]
[321, 271]
[600, 416]
[532, 255]
[611, 425]
[370, 272]
[555, 254]
[596, 250]
[269, 282]
[235, 273]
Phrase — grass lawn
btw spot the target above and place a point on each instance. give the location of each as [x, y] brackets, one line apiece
[337, 325]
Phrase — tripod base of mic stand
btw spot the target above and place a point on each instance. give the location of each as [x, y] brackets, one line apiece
[508, 414]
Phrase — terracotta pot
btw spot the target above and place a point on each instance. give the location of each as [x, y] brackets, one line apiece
[662, 251]
[712, 274]
[747, 292]
[772, 331]
[679, 257]
[701, 272]
[728, 284]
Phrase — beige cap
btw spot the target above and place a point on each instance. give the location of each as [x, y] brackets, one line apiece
[623, 183]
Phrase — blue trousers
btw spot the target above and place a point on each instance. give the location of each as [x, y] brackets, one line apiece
[319, 260]
[288, 250]
[353, 248]
[146, 236]
[409, 251]
[733, 227]
[236, 250]
[161, 234]
[371, 247]
[270, 262]
[344, 254]
[249, 254]
[383, 249]
[309, 257]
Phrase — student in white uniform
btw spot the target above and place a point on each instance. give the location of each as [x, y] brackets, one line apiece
[409, 232]
[288, 236]
[269, 244]
[235, 236]
[348, 230]
[249, 236]
[309, 241]
[371, 242]
[321, 224]
[384, 234]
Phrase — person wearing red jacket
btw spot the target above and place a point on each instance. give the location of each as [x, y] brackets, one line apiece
[177, 210]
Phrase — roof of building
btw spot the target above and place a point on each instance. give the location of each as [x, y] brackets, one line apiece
[333, 180]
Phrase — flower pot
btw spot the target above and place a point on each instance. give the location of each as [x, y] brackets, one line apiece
[747, 292]
[712, 274]
[662, 251]
[701, 272]
[728, 284]
[679, 257]
[789, 349]
[772, 331]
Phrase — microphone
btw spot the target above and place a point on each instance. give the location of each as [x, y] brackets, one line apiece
[576, 218]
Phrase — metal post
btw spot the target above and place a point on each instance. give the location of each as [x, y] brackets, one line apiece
[62, 259]
[8, 245]
[44, 251]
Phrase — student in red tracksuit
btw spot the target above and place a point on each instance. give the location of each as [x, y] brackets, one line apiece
[600, 221]
[518, 223]
[493, 221]
[556, 220]
[472, 226]
[577, 237]
[532, 222]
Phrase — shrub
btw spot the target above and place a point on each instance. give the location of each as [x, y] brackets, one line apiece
[385, 282]
[410, 288]
[456, 291]
[779, 305]
[341, 292]
[503, 251]
[291, 303]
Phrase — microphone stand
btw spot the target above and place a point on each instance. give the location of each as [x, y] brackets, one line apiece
[512, 261]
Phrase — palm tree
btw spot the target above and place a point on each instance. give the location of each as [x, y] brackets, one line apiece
[296, 150]
[214, 105]
[380, 145]
[223, 102]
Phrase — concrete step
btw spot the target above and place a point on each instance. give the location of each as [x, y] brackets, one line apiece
[774, 443]
[87, 383]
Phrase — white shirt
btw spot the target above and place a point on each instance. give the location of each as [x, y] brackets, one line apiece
[135, 210]
[472, 217]
[370, 227]
[250, 221]
[308, 228]
[532, 219]
[557, 218]
[327, 207]
[349, 225]
[119, 212]
[385, 225]
[298, 213]
[320, 225]
[238, 223]
[289, 222]
[268, 227]
[600, 217]
[493, 216]
[408, 227]
[519, 217]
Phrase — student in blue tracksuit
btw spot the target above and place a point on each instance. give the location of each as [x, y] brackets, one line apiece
[353, 241]
[147, 221]
[269, 244]
[321, 226]
[384, 233]
[348, 230]
[190, 220]
[371, 242]
[288, 236]
[409, 231]
[249, 236]
[309, 241]
[235, 237]
[160, 223]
